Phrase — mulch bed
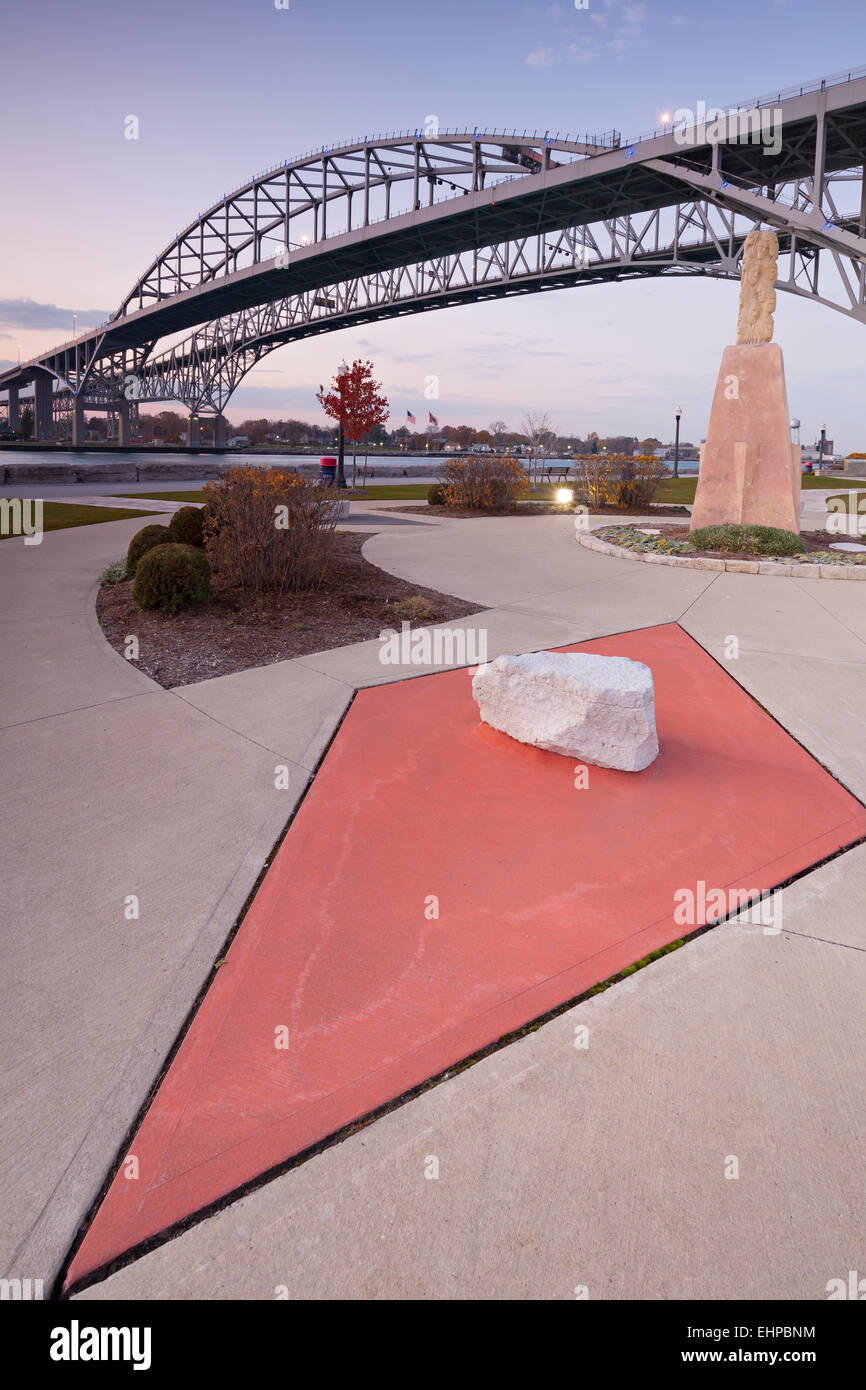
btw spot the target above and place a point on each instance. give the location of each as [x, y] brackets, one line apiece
[229, 634]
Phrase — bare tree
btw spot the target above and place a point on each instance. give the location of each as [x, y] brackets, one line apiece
[536, 426]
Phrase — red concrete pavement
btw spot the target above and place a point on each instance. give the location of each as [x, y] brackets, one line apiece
[542, 890]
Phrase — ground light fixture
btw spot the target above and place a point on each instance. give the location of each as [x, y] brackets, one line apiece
[564, 495]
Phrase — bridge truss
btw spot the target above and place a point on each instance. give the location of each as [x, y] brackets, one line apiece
[423, 220]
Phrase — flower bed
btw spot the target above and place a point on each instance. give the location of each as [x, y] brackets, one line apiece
[672, 547]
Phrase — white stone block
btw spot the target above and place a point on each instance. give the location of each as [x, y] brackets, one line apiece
[597, 709]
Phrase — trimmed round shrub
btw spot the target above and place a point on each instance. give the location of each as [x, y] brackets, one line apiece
[749, 540]
[436, 495]
[187, 526]
[142, 541]
[170, 576]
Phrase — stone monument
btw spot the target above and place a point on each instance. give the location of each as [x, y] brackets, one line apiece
[750, 472]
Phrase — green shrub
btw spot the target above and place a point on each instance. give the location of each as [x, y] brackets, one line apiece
[115, 573]
[143, 541]
[187, 526]
[169, 576]
[751, 540]
[436, 495]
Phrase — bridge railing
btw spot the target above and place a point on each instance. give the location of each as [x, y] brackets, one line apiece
[609, 139]
[820, 84]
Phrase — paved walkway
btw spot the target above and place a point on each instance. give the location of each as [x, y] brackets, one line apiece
[741, 1044]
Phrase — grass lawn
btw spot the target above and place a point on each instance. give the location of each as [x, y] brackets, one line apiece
[192, 496]
[416, 491]
[59, 516]
[812, 481]
[673, 491]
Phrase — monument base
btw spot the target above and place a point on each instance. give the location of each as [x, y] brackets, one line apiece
[750, 473]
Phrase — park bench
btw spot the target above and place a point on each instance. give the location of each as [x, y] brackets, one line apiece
[560, 469]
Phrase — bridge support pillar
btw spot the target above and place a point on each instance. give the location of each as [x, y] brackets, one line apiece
[193, 432]
[43, 402]
[78, 426]
[820, 161]
[14, 409]
[219, 431]
[123, 424]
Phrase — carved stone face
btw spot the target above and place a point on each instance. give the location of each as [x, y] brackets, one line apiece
[757, 295]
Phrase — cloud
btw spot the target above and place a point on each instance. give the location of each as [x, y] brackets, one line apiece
[572, 52]
[631, 28]
[28, 313]
[527, 347]
[413, 356]
[276, 400]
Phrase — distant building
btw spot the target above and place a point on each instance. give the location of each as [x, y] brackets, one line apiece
[239, 441]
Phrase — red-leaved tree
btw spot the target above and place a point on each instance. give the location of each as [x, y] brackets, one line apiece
[355, 401]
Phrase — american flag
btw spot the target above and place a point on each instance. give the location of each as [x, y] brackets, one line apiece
[410, 417]
[432, 419]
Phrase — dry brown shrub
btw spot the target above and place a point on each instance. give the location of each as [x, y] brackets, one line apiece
[617, 480]
[484, 482]
[269, 531]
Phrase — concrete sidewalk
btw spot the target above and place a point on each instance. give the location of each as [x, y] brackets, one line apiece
[115, 787]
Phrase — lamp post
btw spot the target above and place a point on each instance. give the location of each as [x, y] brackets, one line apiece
[677, 412]
[341, 475]
[821, 449]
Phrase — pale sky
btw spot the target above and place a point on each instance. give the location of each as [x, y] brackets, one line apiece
[225, 88]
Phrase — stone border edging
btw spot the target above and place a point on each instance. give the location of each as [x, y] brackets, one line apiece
[841, 571]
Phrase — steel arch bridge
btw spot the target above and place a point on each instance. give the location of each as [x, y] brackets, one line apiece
[420, 220]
